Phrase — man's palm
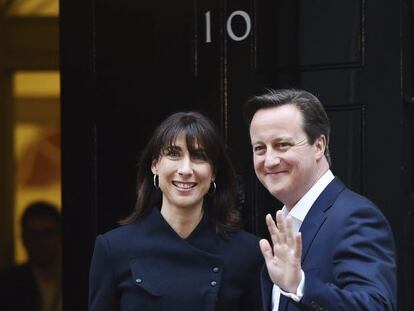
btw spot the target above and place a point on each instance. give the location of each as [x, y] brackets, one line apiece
[283, 261]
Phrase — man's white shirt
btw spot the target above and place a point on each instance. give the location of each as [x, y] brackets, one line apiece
[298, 214]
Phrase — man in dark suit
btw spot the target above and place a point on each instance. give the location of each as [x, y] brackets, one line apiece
[332, 248]
[35, 285]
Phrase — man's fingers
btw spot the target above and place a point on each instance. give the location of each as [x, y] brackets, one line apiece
[298, 246]
[288, 231]
[271, 226]
[274, 232]
[281, 226]
[266, 250]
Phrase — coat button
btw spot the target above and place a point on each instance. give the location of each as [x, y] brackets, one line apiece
[216, 269]
[213, 283]
[138, 281]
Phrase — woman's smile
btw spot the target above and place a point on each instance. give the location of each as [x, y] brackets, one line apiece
[184, 185]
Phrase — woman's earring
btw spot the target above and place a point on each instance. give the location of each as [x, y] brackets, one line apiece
[156, 182]
[214, 187]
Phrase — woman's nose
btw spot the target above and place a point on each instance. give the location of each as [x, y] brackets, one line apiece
[185, 167]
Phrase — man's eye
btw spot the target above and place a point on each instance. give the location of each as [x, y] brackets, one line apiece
[283, 145]
[258, 149]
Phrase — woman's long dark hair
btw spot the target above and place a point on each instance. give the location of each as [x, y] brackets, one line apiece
[199, 131]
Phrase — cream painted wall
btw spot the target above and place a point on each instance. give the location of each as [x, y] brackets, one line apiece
[34, 7]
[35, 144]
[36, 84]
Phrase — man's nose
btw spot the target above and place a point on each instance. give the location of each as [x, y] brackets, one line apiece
[271, 158]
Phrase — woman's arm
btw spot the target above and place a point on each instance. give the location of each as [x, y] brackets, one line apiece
[102, 289]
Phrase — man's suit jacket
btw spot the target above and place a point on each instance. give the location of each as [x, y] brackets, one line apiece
[348, 256]
[18, 289]
[146, 266]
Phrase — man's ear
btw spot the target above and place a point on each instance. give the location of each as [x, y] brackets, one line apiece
[320, 145]
[24, 239]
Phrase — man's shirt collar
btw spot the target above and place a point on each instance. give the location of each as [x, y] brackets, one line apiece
[302, 207]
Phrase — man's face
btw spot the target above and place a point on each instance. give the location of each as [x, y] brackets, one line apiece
[41, 238]
[284, 162]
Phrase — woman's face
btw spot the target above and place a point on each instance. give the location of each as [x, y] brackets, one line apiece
[184, 178]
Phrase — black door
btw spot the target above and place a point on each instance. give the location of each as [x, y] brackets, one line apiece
[126, 65]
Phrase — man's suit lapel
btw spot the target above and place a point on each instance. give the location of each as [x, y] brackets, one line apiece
[267, 291]
[316, 215]
[310, 227]
[283, 302]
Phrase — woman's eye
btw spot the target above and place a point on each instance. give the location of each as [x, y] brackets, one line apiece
[172, 152]
[200, 155]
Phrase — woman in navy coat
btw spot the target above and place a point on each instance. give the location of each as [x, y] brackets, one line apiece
[182, 247]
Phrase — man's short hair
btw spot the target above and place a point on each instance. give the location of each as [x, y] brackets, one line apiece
[315, 119]
[41, 209]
